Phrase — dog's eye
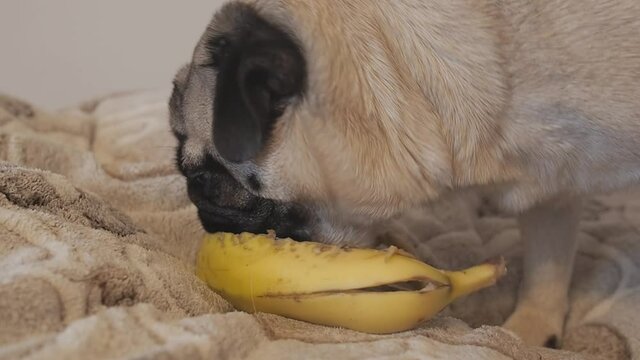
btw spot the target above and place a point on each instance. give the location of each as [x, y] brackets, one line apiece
[217, 48]
[198, 176]
[219, 43]
[201, 178]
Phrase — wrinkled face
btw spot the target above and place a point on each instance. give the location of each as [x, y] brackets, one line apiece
[274, 137]
[246, 80]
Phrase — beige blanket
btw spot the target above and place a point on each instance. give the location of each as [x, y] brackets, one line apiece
[97, 244]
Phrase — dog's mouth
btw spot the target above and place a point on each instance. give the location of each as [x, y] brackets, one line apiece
[213, 222]
[236, 221]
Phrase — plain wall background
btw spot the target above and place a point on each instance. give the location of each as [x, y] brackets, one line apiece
[56, 53]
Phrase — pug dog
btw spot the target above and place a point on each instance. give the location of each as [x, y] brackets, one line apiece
[323, 119]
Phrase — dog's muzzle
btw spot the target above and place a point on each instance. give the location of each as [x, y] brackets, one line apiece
[224, 205]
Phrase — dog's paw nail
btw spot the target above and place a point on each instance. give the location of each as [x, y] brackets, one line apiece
[552, 342]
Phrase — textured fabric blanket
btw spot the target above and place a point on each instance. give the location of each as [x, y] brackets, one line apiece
[98, 241]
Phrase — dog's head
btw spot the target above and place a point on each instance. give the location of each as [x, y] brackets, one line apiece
[302, 117]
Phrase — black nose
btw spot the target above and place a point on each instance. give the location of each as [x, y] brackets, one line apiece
[224, 205]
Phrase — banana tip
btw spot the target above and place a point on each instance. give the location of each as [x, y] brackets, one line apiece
[500, 265]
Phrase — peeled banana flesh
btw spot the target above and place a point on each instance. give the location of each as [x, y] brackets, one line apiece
[372, 291]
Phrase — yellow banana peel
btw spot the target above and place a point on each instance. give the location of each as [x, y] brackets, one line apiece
[373, 291]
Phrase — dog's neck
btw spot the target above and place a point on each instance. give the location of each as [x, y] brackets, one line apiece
[464, 68]
[464, 60]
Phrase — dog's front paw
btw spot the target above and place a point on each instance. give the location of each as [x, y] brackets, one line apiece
[537, 326]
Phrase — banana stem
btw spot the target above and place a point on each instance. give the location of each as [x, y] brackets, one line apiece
[475, 278]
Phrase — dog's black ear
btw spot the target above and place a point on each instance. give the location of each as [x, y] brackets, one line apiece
[260, 69]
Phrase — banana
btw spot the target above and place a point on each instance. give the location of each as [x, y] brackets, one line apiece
[372, 291]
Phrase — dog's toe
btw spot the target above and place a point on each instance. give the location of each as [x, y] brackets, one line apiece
[537, 327]
[552, 342]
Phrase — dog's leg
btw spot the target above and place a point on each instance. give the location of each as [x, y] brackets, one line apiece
[549, 232]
